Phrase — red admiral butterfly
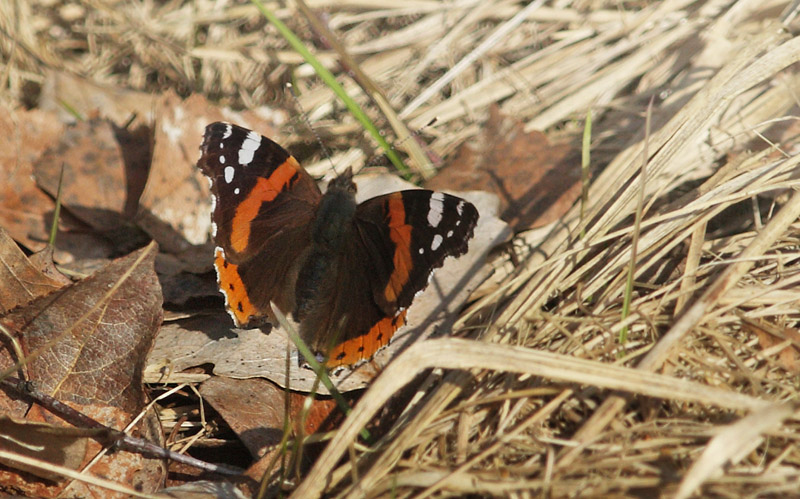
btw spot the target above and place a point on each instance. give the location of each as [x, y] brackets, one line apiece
[346, 271]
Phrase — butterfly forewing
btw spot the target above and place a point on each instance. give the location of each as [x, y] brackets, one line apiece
[263, 204]
[408, 234]
[259, 190]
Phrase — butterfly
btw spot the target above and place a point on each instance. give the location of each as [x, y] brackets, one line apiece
[346, 271]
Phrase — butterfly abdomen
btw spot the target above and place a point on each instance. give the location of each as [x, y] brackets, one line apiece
[331, 228]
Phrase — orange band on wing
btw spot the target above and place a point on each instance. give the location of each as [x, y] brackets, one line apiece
[365, 346]
[231, 284]
[266, 189]
[400, 233]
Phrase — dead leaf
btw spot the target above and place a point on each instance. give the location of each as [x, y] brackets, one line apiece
[536, 181]
[255, 410]
[93, 338]
[43, 261]
[24, 136]
[86, 97]
[49, 443]
[770, 335]
[96, 334]
[94, 185]
[20, 280]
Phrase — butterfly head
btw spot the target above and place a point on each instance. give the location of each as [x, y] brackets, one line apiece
[344, 183]
[333, 221]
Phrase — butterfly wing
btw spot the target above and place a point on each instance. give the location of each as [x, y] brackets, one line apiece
[346, 324]
[409, 234]
[399, 240]
[264, 202]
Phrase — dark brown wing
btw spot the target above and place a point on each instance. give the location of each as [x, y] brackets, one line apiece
[263, 204]
[408, 234]
[349, 326]
[399, 239]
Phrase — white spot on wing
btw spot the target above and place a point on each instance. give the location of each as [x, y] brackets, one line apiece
[228, 132]
[435, 209]
[228, 174]
[449, 233]
[437, 241]
[422, 251]
[213, 229]
[460, 207]
[249, 147]
[222, 159]
[236, 191]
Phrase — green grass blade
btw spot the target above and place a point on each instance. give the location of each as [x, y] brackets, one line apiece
[330, 80]
[57, 211]
[319, 369]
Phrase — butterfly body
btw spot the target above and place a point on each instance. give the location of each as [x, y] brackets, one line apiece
[346, 271]
[331, 228]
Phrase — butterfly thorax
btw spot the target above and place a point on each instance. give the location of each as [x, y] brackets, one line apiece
[331, 229]
[333, 220]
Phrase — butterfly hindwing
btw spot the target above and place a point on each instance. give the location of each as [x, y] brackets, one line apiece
[346, 323]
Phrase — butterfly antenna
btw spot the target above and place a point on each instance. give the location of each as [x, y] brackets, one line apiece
[418, 131]
[414, 134]
[303, 113]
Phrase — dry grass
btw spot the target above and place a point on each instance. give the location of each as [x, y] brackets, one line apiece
[537, 411]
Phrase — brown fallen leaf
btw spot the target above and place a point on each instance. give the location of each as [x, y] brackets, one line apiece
[770, 335]
[43, 261]
[536, 181]
[24, 208]
[255, 409]
[93, 187]
[49, 443]
[86, 97]
[86, 345]
[20, 280]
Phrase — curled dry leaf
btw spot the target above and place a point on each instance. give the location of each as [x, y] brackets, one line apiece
[20, 280]
[93, 187]
[86, 345]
